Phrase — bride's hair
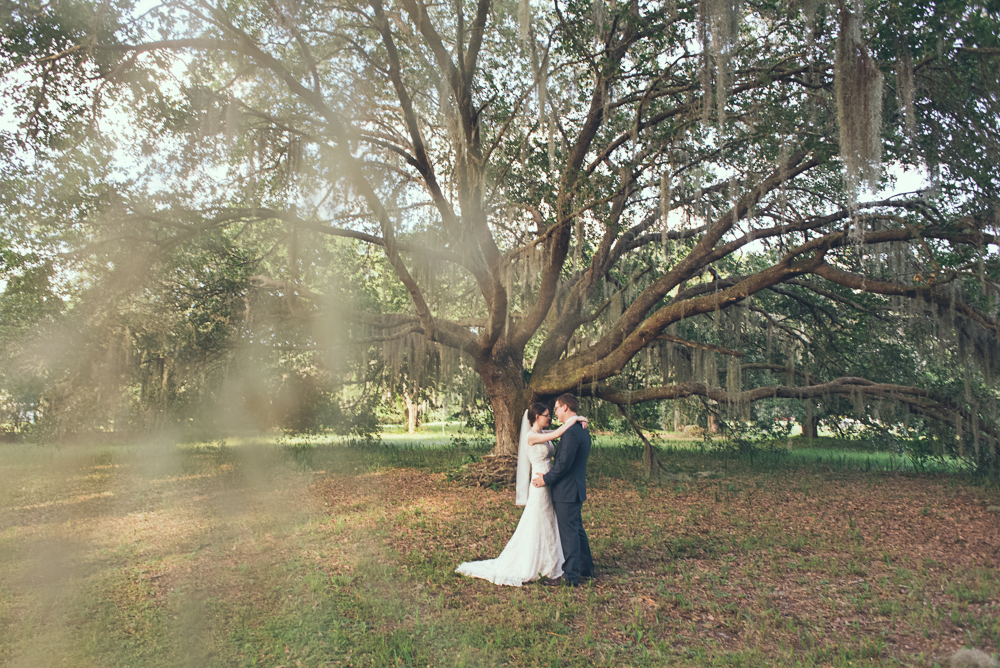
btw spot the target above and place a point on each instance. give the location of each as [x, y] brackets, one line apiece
[535, 410]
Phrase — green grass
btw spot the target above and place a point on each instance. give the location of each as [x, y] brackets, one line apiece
[303, 551]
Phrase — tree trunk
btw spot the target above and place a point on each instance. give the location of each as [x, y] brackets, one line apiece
[507, 415]
[153, 388]
[411, 414]
[650, 464]
[810, 426]
[503, 377]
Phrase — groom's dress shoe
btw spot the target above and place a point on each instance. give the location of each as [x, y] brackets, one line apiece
[557, 582]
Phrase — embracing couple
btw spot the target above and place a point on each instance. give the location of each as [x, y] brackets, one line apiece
[549, 541]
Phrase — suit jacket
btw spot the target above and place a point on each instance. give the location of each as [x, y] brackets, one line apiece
[568, 476]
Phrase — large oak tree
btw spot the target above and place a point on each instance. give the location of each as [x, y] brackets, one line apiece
[564, 189]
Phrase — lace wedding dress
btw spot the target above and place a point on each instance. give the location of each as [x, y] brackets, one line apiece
[534, 550]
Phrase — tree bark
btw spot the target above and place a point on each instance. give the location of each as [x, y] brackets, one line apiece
[506, 414]
[411, 414]
[650, 463]
[810, 426]
[503, 377]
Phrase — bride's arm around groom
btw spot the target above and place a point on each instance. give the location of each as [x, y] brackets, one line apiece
[536, 437]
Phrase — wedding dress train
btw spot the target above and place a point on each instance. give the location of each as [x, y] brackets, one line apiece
[534, 550]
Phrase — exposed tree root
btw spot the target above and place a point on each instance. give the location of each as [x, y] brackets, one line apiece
[491, 471]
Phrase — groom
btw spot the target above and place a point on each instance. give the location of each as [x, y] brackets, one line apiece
[568, 480]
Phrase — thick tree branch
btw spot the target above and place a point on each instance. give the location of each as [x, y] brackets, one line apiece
[927, 292]
[919, 399]
[423, 161]
[847, 385]
[633, 332]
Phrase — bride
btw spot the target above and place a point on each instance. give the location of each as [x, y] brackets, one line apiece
[534, 550]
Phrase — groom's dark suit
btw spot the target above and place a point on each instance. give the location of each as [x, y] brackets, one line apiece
[567, 479]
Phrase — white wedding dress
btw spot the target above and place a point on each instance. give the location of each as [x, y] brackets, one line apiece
[534, 550]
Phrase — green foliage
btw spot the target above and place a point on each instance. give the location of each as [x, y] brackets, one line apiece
[306, 403]
[754, 437]
[304, 217]
[48, 67]
[478, 416]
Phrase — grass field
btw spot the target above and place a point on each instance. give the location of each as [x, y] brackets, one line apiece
[306, 553]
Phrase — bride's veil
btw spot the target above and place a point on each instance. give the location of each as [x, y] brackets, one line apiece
[523, 464]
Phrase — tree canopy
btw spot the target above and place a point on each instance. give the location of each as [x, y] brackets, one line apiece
[633, 201]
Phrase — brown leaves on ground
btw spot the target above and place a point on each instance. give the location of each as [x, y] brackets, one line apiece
[138, 550]
[878, 565]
